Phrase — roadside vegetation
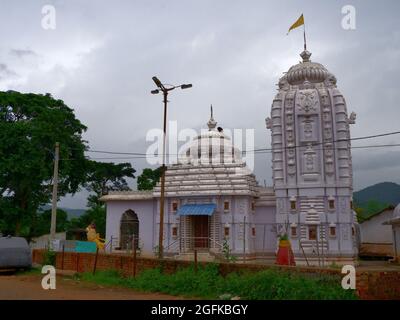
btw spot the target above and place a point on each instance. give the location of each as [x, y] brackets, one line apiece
[209, 284]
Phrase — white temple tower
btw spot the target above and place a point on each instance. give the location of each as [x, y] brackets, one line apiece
[311, 161]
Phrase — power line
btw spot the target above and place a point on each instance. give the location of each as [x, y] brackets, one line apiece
[259, 150]
[258, 153]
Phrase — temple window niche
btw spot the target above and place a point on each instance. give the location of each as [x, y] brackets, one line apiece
[331, 203]
[226, 231]
[226, 206]
[312, 232]
[174, 206]
[293, 204]
[332, 230]
[293, 230]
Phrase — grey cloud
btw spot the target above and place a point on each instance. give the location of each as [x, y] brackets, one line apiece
[5, 71]
[377, 160]
[103, 56]
[20, 53]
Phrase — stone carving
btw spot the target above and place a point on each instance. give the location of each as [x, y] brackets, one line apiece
[345, 232]
[281, 206]
[308, 132]
[283, 83]
[309, 160]
[328, 133]
[308, 129]
[330, 81]
[268, 123]
[307, 101]
[352, 118]
[343, 205]
[325, 100]
[289, 101]
[242, 206]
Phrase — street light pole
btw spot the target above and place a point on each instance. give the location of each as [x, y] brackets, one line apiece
[165, 91]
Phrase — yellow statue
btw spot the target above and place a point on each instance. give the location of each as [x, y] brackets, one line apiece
[93, 236]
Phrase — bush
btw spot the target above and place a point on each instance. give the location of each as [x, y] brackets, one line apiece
[208, 283]
[49, 257]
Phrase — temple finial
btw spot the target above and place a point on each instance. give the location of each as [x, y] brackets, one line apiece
[211, 123]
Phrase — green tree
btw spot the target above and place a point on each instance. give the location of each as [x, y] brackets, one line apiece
[148, 179]
[41, 222]
[30, 125]
[96, 215]
[103, 177]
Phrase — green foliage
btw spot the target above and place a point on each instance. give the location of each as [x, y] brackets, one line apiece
[30, 125]
[49, 257]
[226, 251]
[207, 283]
[284, 237]
[148, 179]
[369, 208]
[42, 220]
[384, 192]
[96, 215]
[103, 177]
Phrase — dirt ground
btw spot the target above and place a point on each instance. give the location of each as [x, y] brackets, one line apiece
[28, 287]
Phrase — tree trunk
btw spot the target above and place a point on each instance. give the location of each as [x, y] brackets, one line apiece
[18, 227]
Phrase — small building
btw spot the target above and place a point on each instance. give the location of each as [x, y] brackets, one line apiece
[394, 222]
[213, 203]
[376, 237]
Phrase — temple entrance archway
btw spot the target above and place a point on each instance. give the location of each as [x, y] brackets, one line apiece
[129, 228]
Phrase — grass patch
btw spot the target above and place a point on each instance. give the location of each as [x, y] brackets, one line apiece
[30, 271]
[208, 284]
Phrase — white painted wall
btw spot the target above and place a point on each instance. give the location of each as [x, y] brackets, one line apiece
[373, 231]
[145, 212]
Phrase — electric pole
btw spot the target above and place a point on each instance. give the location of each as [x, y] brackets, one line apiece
[54, 197]
[165, 90]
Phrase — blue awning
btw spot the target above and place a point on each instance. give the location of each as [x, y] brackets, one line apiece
[204, 209]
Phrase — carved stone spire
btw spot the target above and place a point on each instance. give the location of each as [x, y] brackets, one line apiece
[211, 123]
[305, 55]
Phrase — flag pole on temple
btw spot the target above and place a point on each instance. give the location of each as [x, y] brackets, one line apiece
[298, 23]
[304, 30]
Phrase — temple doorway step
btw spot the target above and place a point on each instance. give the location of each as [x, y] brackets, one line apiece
[201, 232]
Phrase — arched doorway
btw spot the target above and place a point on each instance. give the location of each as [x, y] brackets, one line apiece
[129, 227]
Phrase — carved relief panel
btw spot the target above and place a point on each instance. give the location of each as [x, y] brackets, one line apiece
[307, 101]
[310, 161]
[308, 127]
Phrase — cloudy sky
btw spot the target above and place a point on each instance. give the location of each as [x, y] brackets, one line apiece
[101, 56]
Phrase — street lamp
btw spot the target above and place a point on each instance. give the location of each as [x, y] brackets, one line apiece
[165, 90]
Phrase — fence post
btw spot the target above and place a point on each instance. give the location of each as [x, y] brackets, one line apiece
[134, 256]
[195, 260]
[62, 257]
[95, 261]
[244, 239]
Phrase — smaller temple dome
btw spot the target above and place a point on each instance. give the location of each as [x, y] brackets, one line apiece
[307, 70]
[212, 146]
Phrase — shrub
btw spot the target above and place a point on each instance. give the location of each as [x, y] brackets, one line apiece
[49, 257]
[208, 283]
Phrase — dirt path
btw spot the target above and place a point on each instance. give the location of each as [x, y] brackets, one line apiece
[28, 287]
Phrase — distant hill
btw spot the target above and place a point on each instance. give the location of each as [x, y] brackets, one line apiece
[72, 213]
[385, 192]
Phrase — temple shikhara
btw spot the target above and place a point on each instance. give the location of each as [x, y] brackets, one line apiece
[214, 204]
